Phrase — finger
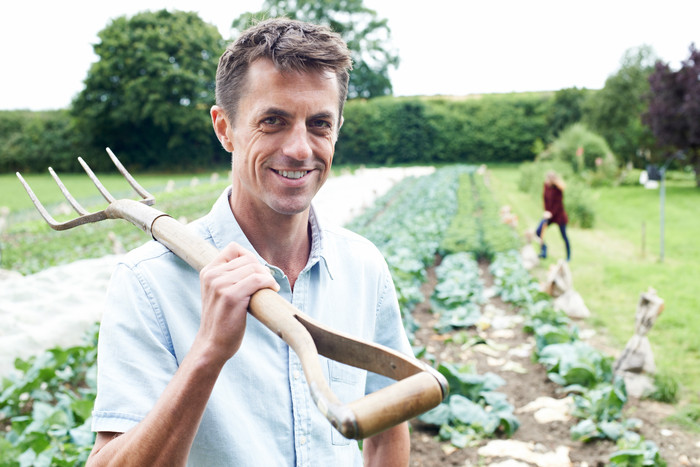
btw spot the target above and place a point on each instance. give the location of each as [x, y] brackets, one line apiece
[228, 274]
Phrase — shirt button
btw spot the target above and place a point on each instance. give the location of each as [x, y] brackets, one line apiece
[302, 440]
[296, 374]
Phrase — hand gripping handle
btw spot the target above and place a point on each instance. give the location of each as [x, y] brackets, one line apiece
[418, 389]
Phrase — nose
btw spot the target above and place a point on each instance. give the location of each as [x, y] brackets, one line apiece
[297, 144]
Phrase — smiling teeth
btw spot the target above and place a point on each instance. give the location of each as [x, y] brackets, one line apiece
[292, 174]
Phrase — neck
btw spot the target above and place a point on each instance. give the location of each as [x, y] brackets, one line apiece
[282, 240]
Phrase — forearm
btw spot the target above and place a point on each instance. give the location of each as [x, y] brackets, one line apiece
[165, 436]
[390, 448]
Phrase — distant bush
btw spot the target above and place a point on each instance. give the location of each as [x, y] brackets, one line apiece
[586, 152]
[33, 141]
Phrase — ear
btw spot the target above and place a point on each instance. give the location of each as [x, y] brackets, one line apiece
[222, 128]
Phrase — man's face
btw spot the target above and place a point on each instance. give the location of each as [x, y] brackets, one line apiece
[283, 138]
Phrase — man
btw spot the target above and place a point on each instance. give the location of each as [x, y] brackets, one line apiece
[183, 376]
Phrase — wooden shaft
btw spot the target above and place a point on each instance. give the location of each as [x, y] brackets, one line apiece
[420, 388]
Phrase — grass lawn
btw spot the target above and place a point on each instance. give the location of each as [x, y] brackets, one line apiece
[617, 260]
[29, 245]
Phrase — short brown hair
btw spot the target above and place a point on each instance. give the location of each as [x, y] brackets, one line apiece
[292, 46]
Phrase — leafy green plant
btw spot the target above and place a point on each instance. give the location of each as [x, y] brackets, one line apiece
[512, 281]
[459, 292]
[600, 411]
[473, 409]
[575, 363]
[634, 451]
[477, 226]
[407, 225]
[46, 406]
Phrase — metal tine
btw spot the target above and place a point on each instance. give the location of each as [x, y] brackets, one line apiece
[73, 202]
[80, 220]
[106, 194]
[37, 204]
[147, 197]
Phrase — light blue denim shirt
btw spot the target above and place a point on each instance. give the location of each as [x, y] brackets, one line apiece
[260, 412]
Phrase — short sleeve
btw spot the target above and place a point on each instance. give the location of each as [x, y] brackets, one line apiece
[136, 360]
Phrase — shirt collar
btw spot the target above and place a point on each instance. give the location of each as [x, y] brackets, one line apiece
[224, 229]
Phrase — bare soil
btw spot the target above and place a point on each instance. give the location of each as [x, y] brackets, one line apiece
[508, 351]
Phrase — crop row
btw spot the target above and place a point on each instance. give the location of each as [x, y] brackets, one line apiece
[581, 370]
[410, 226]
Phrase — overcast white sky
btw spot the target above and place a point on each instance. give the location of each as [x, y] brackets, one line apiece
[448, 47]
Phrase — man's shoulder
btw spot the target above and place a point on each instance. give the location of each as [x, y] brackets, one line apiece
[153, 253]
[350, 246]
[337, 234]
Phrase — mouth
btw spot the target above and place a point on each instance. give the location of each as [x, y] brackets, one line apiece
[292, 174]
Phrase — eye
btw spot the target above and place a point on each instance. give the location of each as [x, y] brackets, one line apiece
[321, 124]
[272, 120]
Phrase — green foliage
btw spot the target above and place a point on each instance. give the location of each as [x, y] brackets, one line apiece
[599, 396]
[665, 388]
[367, 36]
[459, 292]
[512, 282]
[477, 226]
[493, 128]
[635, 451]
[148, 95]
[688, 417]
[473, 410]
[615, 112]
[29, 245]
[587, 153]
[407, 225]
[567, 108]
[46, 407]
[33, 141]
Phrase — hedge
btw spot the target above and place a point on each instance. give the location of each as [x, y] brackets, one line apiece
[385, 130]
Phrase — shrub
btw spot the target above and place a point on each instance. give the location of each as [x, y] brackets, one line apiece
[587, 153]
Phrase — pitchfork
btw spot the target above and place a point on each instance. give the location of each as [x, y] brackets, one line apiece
[418, 387]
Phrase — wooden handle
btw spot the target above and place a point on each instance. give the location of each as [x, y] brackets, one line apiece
[420, 387]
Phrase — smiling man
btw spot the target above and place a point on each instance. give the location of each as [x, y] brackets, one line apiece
[184, 377]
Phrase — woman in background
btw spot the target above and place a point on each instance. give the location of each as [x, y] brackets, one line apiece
[554, 211]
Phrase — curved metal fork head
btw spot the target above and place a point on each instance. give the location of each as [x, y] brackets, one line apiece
[85, 217]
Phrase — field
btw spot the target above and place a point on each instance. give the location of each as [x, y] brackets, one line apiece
[616, 261]
[476, 316]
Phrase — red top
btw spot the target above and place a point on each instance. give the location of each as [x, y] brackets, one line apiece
[554, 203]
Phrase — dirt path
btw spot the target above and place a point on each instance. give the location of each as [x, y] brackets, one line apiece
[528, 389]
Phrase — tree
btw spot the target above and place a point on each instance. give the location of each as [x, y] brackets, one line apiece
[367, 37]
[148, 95]
[674, 109]
[615, 111]
[566, 109]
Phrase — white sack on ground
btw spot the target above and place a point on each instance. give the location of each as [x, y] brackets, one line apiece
[571, 302]
[559, 279]
[637, 356]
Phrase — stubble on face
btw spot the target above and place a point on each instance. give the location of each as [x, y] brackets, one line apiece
[283, 138]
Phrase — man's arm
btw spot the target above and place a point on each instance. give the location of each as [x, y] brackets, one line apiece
[390, 448]
[165, 436]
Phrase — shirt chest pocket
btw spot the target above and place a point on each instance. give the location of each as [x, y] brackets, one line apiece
[348, 384]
